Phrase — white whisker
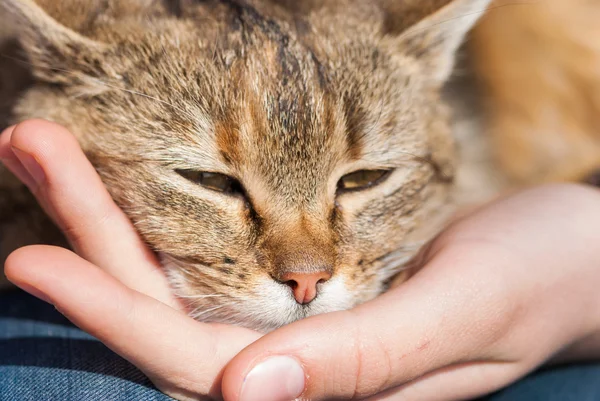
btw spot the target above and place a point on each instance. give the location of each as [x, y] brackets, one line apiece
[198, 315]
[201, 296]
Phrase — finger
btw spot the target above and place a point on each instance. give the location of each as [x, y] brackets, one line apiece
[10, 160]
[461, 382]
[393, 340]
[181, 356]
[49, 160]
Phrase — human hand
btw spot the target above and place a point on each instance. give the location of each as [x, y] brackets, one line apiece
[501, 292]
[115, 289]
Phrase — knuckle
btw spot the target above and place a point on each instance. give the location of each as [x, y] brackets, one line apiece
[79, 231]
[372, 370]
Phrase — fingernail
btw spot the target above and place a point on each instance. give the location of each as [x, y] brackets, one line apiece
[278, 378]
[31, 165]
[17, 168]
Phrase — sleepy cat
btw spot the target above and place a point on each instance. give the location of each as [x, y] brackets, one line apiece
[283, 158]
[306, 128]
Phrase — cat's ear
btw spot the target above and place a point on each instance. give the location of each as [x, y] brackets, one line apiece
[431, 31]
[56, 53]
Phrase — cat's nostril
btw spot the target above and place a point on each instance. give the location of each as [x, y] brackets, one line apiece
[291, 283]
[304, 285]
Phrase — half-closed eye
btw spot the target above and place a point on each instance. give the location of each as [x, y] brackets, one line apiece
[362, 179]
[213, 181]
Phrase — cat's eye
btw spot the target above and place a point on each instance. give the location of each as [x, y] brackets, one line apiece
[362, 179]
[213, 181]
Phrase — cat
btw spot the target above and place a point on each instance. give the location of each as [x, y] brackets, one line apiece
[283, 158]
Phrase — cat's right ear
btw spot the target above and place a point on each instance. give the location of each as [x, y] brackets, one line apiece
[56, 53]
[431, 31]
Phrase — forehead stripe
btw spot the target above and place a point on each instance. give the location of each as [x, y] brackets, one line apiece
[227, 139]
[355, 127]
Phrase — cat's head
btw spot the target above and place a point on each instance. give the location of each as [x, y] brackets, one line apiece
[283, 158]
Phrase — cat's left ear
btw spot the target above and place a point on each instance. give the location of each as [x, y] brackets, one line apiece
[431, 31]
[57, 54]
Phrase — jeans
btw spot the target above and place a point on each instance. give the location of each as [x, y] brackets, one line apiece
[43, 357]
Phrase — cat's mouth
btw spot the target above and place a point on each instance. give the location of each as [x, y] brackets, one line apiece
[260, 302]
[273, 306]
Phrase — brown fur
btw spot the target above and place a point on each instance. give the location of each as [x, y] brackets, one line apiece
[287, 97]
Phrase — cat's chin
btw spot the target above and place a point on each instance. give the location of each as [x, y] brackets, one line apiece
[269, 322]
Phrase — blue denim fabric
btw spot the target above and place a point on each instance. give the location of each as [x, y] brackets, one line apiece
[569, 383]
[45, 358]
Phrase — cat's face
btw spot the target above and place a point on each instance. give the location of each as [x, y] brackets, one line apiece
[282, 164]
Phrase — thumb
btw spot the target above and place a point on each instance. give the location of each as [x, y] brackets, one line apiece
[397, 338]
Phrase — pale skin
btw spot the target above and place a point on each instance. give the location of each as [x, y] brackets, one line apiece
[502, 291]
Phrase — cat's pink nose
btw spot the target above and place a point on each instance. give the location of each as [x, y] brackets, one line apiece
[304, 285]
